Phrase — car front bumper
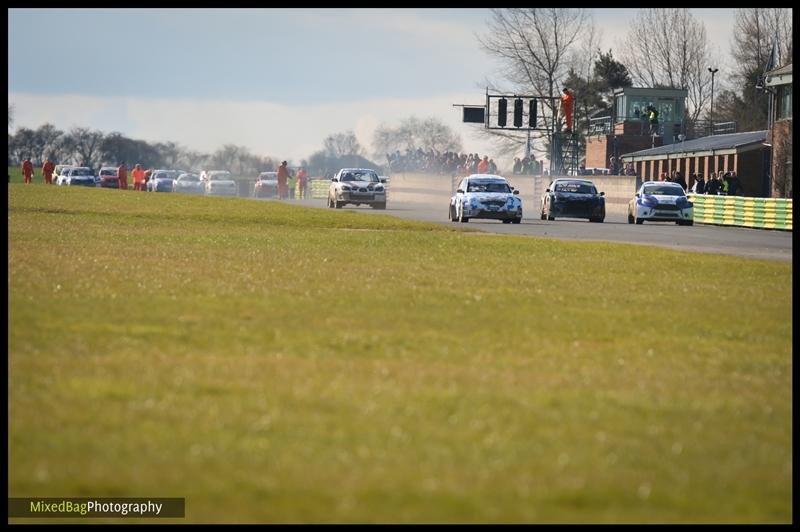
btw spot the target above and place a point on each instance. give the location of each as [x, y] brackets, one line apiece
[654, 214]
[361, 197]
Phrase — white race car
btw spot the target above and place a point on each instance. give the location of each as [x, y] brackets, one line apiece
[357, 186]
[661, 201]
[485, 196]
[219, 183]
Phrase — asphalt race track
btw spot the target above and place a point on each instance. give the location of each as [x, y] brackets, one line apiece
[427, 199]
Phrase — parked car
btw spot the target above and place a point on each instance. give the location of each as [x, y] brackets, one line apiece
[573, 198]
[189, 184]
[60, 174]
[80, 175]
[356, 186]
[661, 201]
[108, 177]
[58, 168]
[485, 196]
[266, 185]
[162, 181]
[219, 183]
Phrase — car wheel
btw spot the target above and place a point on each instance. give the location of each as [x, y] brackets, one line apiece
[330, 203]
[450, 215]
[517, 220]
[506, 221]
[338, 204]
[596, 220]
[461, 218]
[639, 221]
[630, 217]
[690, 222]
[549, 216]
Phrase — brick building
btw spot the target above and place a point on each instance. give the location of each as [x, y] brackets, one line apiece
[779, 85]
[747, 154]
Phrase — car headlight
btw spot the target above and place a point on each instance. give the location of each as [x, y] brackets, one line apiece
[648, 200]
[346, 188]
[378, 189]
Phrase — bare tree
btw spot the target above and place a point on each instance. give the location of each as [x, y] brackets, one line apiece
[224, 157]
[87, 145]
[10, 115]
[412, 133]
[677, 55]
[536, 46]
[756, 29]
[341, 144]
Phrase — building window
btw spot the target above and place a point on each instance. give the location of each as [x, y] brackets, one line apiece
[785, 102]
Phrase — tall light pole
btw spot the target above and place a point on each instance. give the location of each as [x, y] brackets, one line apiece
[713, 71]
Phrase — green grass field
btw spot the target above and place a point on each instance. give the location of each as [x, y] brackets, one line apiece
[273, 363]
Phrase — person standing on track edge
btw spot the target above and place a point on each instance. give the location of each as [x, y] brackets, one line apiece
[27, 170]
[283, 177]
[47, 171]
[302, 181]
[138, 177]
[567, 103]
[122, 174]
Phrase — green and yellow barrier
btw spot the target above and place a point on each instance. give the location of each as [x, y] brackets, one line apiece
[319, 188]
[760, 213]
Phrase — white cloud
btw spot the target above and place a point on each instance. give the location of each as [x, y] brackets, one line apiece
[283, 131]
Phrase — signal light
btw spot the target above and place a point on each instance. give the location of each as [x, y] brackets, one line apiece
[518, 112]
[502, 112]
[532, 113]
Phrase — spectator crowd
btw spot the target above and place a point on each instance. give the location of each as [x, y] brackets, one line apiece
[435, 162]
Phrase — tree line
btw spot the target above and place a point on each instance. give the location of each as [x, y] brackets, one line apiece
[83, 146]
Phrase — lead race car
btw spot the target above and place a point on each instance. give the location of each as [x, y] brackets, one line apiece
[661, 201]
[485, 196]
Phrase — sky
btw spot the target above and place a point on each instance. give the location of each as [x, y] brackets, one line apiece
[277, 81]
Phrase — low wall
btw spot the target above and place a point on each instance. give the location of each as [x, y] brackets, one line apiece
[761, 213]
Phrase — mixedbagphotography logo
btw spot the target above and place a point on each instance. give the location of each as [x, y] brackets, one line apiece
[96, 507]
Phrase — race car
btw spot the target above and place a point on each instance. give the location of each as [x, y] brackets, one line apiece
[357, 186]
[485, 196]
[661, 201]
[573, 198]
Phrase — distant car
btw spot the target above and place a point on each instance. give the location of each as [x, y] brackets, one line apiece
[80, 176]
[661, 201]
[266, 185]
[58, 168]
[219, 183]
[189, 184]
[573, 198]
[108, 177]
[60, 174]
[356, 186]
[486, 196]
[162, 180]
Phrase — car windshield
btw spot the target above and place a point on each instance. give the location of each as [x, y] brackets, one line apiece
[575, 187]
[164, 175]
[82, 172]
[192, 178]
[219, 177]
[109, 171]
[664, 190]
[488, 186]
[269, 177]
[355, 175]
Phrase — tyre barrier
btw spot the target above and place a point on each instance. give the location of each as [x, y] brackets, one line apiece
[759, 213]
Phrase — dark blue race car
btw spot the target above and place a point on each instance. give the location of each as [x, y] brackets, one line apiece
[573, 198]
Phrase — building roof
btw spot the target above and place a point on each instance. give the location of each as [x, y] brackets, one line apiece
[779, 76]
[786, 69]
[732, 141]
